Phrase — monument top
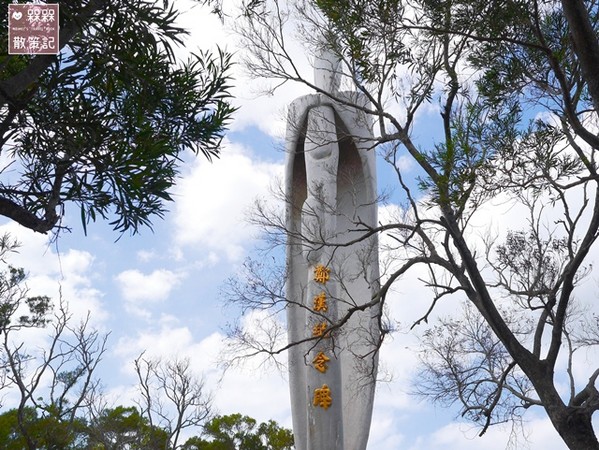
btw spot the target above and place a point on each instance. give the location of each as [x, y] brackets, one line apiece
[326, 71]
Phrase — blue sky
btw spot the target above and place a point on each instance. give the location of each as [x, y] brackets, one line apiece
[159, 291]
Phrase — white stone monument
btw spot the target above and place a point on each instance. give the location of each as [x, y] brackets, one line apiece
[331, 192]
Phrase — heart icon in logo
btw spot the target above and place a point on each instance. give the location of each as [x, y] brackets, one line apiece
[17, 15]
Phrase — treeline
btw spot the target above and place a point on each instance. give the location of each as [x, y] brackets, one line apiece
[124, 428]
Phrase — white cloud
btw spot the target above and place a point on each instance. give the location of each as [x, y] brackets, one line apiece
[146, 255]
[405, 163]
[205, 30]
[167, 341]
[540, 434]
[138, 288]
[213, 199]
[385, 432]
[57, 274]
[208, 32]
[265, 111]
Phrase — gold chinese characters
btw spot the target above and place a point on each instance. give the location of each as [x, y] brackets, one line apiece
[322, 274]
[322, 397]
[319, 329]
[320, 362]
[320, 302]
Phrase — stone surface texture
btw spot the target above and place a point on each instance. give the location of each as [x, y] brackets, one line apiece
[331, 192]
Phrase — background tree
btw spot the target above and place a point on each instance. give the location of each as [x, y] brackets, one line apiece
[124, 428]
[515, 87]
[238, 432]
[104, 125]
[171, 398]
[47, 432]
[52, 385]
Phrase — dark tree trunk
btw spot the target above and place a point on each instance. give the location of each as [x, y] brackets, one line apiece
[586, 44]
[573, 423]
[576, 429]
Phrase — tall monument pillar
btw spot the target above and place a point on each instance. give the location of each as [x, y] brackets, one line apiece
[331, 192]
